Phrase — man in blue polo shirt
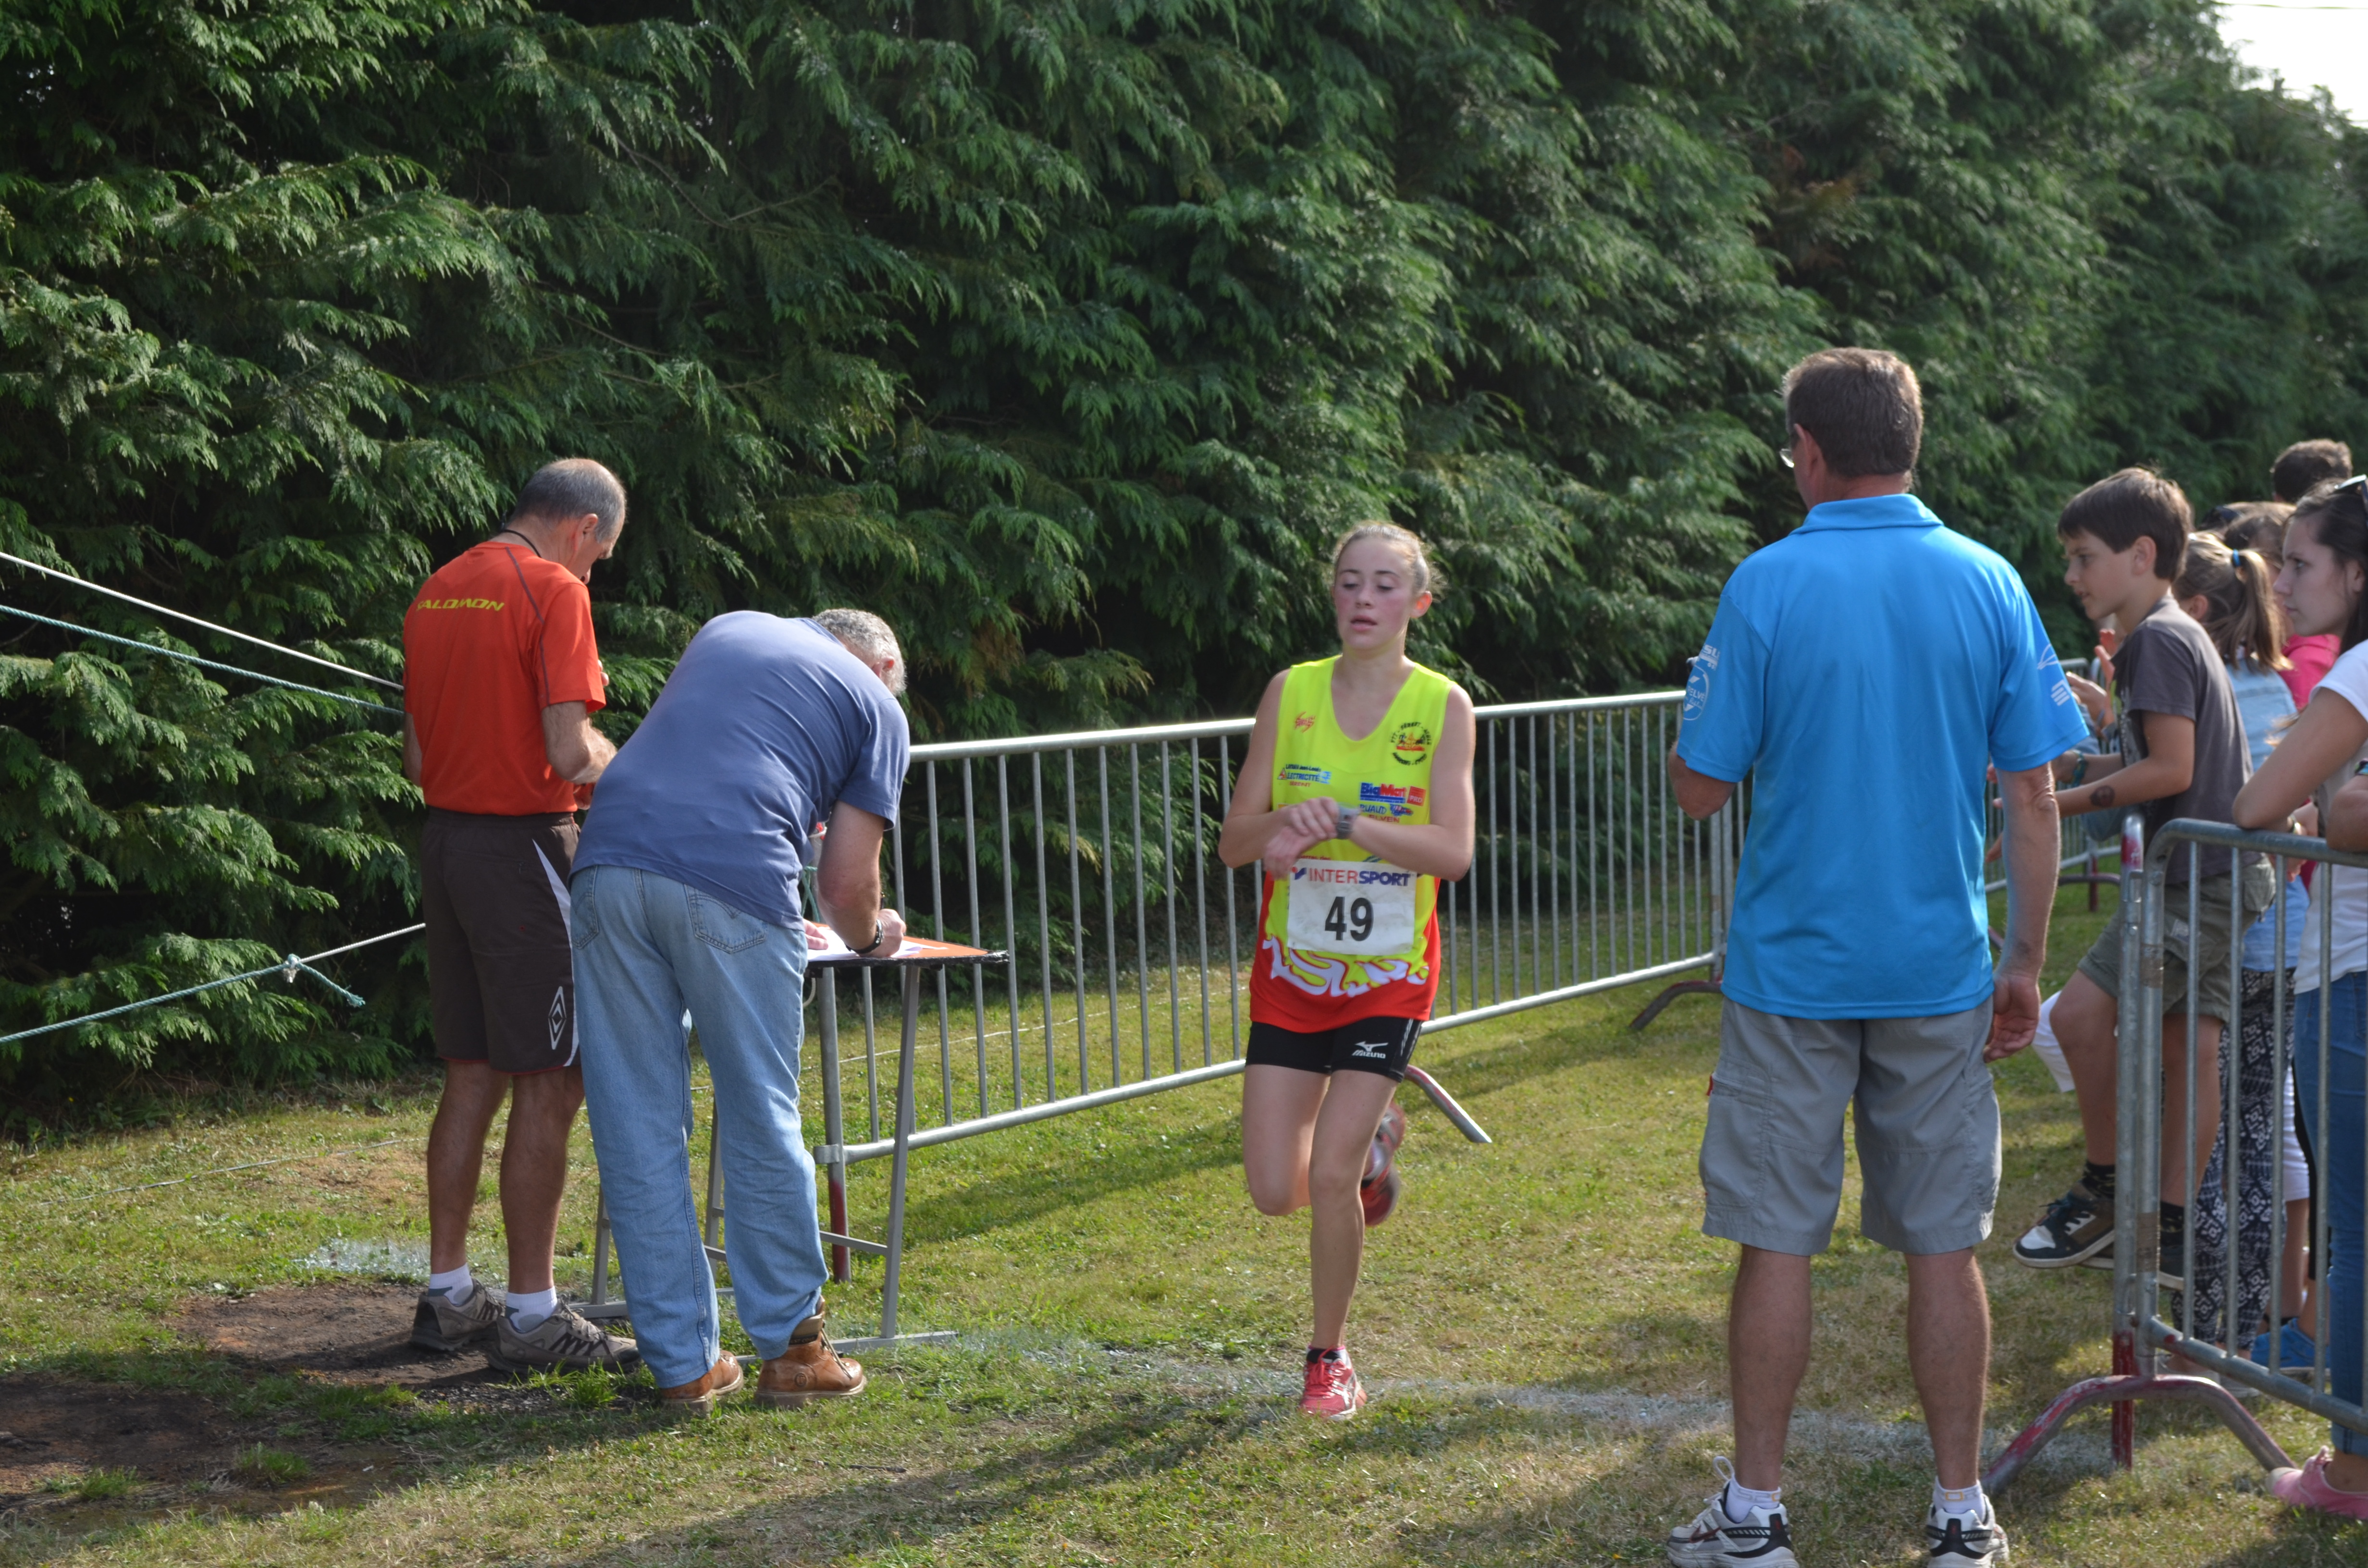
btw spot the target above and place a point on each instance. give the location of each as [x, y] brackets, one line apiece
[1866, 672]
[685, 898]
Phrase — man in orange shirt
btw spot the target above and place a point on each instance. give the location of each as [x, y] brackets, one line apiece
[501, 682]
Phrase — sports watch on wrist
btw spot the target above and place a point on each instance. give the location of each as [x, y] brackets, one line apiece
[1346, 820]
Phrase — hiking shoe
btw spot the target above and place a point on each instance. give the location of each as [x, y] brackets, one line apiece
[440, 1326]
[1761, 1538]
[2309, 1488]
[1378, 1190]
[2296, 1352]
[808, 1369]
[2075, 1228]
[563, 1342]
[700, 1397]
[1952, 1540]
[1332, 1391]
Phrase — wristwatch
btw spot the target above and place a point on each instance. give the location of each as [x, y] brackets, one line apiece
[1345, 821]
[878, 932]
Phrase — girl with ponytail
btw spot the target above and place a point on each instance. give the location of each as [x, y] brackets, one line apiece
[2230, 593]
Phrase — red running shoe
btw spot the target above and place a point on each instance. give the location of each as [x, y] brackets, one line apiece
[1333, 1393]
[1378, 1190]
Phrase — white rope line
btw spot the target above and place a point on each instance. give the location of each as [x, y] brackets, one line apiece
[193, 620]
[193, 659]
[289, 966]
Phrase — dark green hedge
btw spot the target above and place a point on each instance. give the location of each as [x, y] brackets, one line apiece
[1063, 336]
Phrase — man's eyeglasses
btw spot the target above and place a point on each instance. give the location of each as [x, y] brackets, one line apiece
[1784, 453]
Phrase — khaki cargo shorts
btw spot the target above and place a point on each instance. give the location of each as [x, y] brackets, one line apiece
[1927, 1130]
[2214, 936]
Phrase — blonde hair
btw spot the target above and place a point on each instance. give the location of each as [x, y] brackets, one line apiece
[1401, 541]
[2241, 617]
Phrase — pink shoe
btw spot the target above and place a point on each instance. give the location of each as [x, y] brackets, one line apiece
[2309, 1488]
[1333, 1393]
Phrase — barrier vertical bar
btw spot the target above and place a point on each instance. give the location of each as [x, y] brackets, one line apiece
[1513, 840]
[1077, 924]
[2281, 1065]
[1594, 880]
[2232, 1129]
[2322, 906]
[1537, 919]
[2129, 1093]
[1495, 906]
[1011, 928]
[937, 929]
[903, 1160]
[977, 932]
[1142, 926]
[834, 1119]
[1554, 839]
[1110, 914]
[1201, 899]
[1044, 920]
[2192, 1188]
[1168, 887]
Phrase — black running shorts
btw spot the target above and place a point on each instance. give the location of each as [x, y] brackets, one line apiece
[1369, 1045]
[501, 986]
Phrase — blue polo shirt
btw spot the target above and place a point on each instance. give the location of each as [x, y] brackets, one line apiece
[764, 726]
[1864, 671]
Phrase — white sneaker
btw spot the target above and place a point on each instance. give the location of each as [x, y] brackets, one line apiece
[1760, 1538]
[1950, 1541]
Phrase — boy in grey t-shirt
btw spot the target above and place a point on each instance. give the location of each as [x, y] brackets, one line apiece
[2183, 754]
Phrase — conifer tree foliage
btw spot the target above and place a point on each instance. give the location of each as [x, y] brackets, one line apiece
[1065, 336]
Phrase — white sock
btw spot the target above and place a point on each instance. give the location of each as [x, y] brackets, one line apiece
[456, 1284]
[529, 1308]
[1966, 1503]
[1742, 1499]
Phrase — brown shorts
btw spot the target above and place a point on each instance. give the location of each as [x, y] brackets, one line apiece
[500, 987]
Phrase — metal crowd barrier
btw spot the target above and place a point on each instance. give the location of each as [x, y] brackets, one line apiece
[2144, 1330]
[1091, 859]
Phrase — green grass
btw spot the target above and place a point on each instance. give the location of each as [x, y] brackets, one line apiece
[1541, 1322]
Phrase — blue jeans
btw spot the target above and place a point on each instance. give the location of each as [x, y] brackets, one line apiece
[2338, 1148]
[646, 948]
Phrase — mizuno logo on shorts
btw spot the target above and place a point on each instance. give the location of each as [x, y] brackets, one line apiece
[1375, 1052]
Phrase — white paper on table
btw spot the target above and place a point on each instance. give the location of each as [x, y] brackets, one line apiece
[822, 942]
[2050, 1052]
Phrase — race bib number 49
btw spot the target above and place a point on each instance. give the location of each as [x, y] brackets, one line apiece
[1351, 908]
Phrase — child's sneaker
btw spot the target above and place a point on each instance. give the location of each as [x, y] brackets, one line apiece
[1761, 1538]
[1332, 1391]
[2075, 1228]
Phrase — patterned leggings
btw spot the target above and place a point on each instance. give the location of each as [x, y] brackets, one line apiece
[2259, 1135]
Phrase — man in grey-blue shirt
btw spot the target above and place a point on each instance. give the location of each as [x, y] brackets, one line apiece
[685, 897]
[1865, 672]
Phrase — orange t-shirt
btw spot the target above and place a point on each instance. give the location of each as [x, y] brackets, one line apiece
[492, 639]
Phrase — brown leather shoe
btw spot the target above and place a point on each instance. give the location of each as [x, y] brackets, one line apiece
[699, 1398]
[809, 1369]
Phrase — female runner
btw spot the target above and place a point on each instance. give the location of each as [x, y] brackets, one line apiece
[1357, 795]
